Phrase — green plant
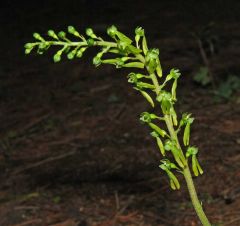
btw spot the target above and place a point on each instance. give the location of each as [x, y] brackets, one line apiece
[207, 43]
[202, 76]
[228, 87]
[123, 52]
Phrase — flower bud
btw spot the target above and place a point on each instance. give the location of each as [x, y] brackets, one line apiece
[191, 151]
[154, 134]
[28, 45]
[132, 78]
[57, 56]
[164, 96]
[139, 31]
[90, 42]
[111, 31]
[145, 117]
[52, 34]
[90, 33]
[27, 51]
[97, 61]
[38, 36]
[71, 29]
[152, 54]
[71, 54]
[122, 45]
[175, 73]
[80, 52]
[62, 34]
[168, 145]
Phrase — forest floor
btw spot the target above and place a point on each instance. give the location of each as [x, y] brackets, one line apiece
[72, 150]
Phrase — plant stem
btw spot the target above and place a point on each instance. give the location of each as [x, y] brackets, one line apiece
[193, 194]
[188, 178]
[186, 171]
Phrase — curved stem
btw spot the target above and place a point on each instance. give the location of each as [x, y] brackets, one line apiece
[186, 171]
[188, 178]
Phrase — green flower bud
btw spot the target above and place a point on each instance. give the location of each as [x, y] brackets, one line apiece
[90, 33]
[90, 42]
[168, 145]
[28, 45]
[166, 164]
[145, 117]
[111, 31]
[71, 29]
[122, 45]
[56, 57]
[186, 118]
[71, 54]
[164, 96]
[52, 34]
[79, 54]
[154, 134]
[97, 61]
[191, 151]
[156, 51]
[175, 73]
[27, 51]
[152, 54]
[139, 31]
[132, 78]
[152, 60]
[38, 36]
[62, 34]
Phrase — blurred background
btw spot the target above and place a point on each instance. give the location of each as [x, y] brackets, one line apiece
[72, 150]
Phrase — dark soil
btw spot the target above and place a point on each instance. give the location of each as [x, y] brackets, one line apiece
[72, 150]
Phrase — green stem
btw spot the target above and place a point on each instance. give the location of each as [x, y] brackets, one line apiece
[155, 83]
[65, 43]
[186, 171]
[195, 201]
[188, 178]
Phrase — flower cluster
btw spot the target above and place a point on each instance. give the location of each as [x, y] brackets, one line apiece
[121, 52]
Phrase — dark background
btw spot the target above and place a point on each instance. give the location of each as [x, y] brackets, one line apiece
[72, 150]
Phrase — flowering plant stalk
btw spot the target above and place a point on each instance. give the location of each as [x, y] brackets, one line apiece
[124, 52]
